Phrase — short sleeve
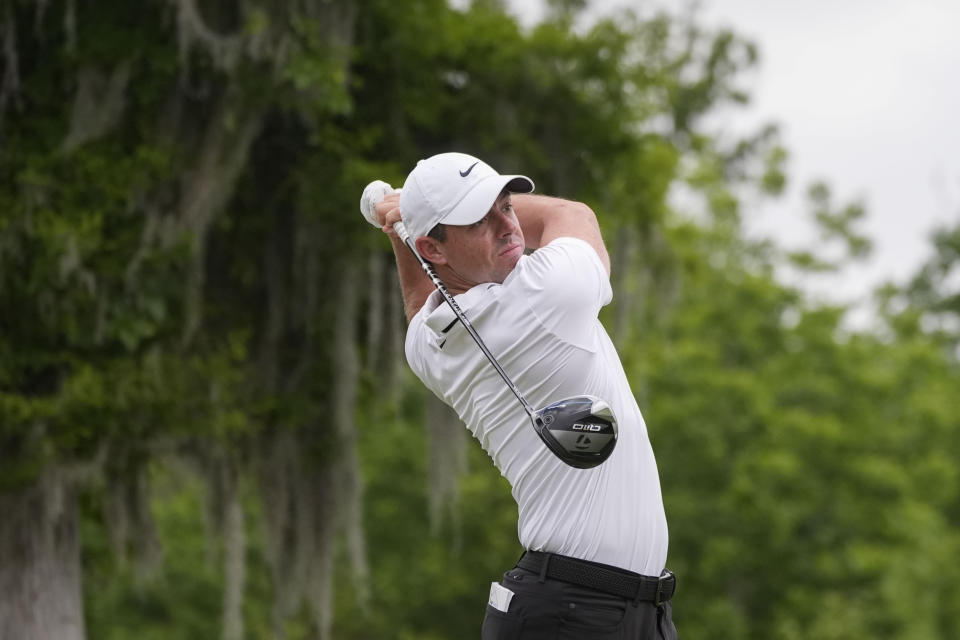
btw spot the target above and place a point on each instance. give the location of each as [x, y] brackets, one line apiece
[565, 286]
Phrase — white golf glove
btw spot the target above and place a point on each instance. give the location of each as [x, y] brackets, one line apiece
[372, 195]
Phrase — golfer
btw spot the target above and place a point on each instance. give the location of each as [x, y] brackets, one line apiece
[531, 273]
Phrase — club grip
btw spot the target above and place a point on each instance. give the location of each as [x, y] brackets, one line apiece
[401, 230]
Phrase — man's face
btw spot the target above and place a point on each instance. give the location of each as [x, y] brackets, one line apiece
[487, 250]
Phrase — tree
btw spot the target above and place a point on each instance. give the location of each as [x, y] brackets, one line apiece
[122, 347]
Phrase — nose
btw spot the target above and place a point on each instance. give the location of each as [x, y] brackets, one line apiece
[506, 223]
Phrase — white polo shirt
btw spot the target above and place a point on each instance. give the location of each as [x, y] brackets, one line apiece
[542, 326]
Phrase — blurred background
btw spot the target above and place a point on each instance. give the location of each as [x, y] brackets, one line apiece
[208, 430]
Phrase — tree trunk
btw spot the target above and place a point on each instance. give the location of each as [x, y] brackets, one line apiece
[234, 561]
[40, 588]
[447, 462]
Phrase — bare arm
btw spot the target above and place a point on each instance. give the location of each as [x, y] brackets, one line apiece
[414, 283]
[543, 219]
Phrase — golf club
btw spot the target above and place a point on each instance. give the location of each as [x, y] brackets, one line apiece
[581, 430]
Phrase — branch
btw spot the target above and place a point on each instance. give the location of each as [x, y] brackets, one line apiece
[98, 105]
[10, 87]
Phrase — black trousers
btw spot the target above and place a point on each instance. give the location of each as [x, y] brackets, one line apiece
[554, 610]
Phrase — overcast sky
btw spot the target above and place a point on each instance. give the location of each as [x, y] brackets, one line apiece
[867, 93]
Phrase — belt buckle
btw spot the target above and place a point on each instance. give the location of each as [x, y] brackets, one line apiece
[664, 577]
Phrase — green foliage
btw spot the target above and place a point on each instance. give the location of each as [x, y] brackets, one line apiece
[837, 224]
[806, 456]
[181, 601]
[808, 473]
[437, 584]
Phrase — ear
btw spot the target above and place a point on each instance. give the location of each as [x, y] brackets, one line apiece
[430, 250]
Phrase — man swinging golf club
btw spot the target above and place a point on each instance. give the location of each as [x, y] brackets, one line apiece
[496, 330]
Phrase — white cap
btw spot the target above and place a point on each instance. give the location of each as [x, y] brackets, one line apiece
[452, 188]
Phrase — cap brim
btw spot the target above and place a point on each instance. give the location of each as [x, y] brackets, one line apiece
[478, 201]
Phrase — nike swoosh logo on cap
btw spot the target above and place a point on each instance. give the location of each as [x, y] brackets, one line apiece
[464, 174]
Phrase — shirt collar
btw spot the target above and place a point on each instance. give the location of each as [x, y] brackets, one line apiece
[440, 317]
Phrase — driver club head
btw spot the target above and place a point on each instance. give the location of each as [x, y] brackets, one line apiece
[581, 431]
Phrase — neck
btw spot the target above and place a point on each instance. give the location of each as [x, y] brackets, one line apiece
[453, 281]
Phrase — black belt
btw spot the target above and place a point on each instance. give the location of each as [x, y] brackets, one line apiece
[602, 577]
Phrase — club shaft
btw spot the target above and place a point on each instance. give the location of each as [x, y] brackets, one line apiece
[438, 283]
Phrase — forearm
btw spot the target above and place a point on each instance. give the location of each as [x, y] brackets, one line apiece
[543, 219]
[532, 212]
[415, 286]
[414, 283]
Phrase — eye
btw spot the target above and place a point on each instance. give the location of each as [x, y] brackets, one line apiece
[479, 222]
